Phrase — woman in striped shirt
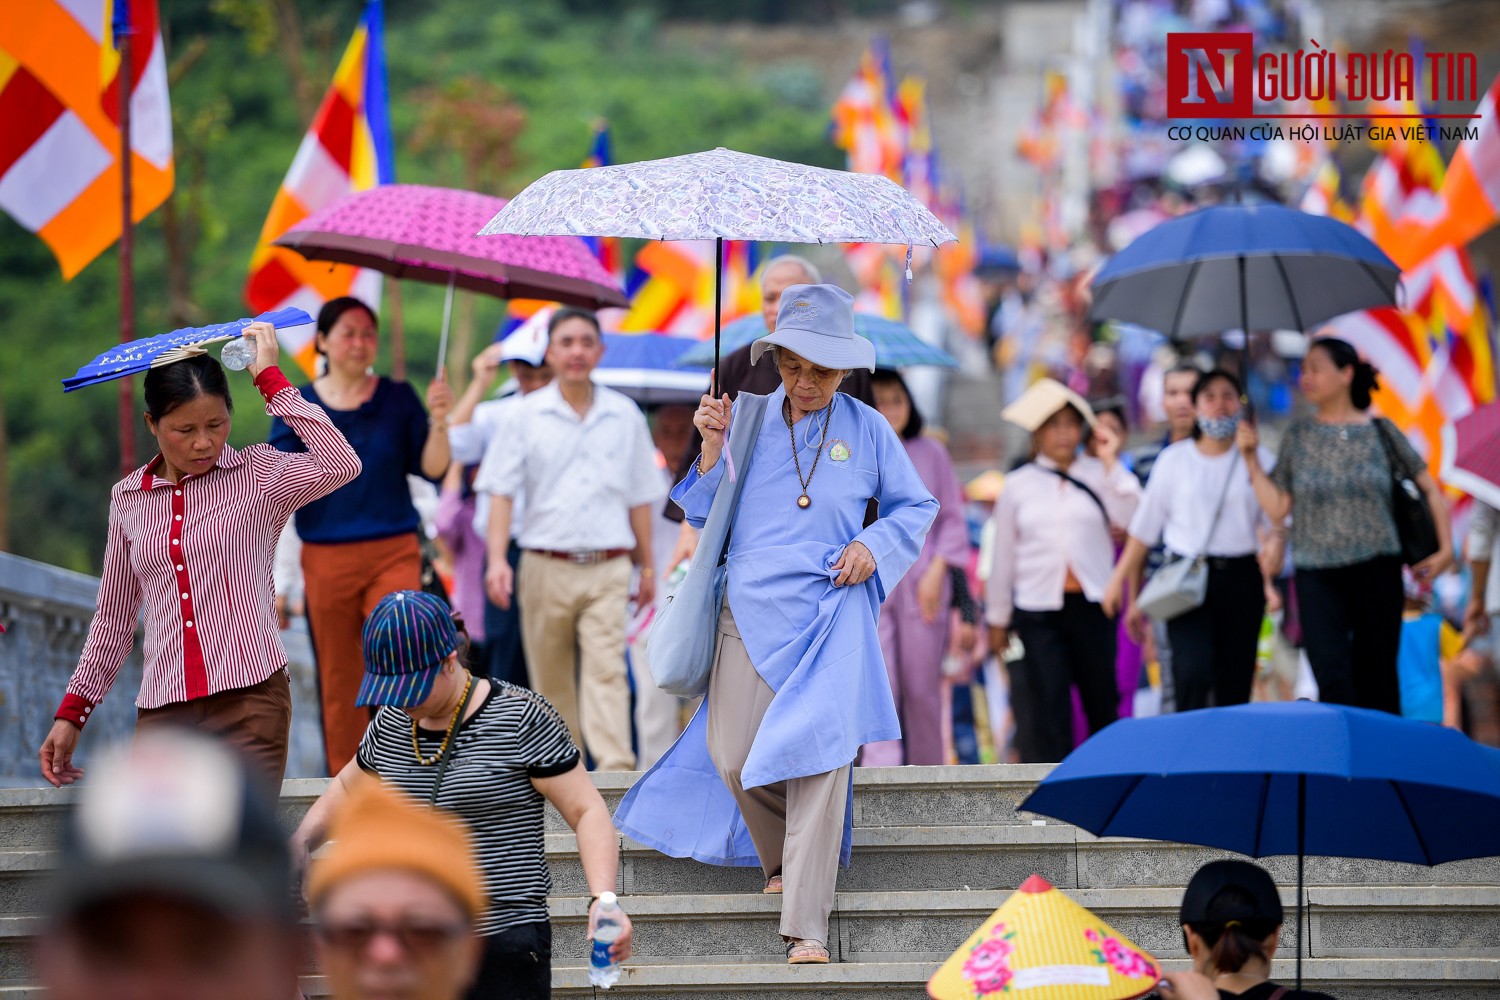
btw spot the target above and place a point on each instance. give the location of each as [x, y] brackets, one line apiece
[492, 754]
[191, 536]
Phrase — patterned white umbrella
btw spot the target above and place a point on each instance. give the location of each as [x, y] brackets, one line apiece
[721, 195]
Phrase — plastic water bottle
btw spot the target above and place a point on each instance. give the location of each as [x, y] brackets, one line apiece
[238, 353]
[604, 971]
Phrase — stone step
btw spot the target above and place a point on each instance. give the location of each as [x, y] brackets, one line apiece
[1345, 922]
[1347, 979]
[886, 796]
[884, 927]
[929, 859]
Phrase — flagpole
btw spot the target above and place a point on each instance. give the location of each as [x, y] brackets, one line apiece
[123, 43]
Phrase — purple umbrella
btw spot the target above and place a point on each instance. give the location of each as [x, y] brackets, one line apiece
[427, 234]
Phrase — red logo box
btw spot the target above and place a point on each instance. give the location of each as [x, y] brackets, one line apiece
[1210, 74]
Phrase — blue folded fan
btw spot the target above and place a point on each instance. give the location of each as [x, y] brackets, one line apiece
[165, 348]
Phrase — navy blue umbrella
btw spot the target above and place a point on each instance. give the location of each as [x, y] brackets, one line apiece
[1243, 267]
[164, 348]
[1284, 778]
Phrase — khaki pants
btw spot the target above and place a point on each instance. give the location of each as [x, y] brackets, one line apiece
[256, 721]
[573, 631]
[797, 825]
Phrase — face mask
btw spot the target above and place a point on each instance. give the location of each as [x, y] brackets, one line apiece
[1219, 428]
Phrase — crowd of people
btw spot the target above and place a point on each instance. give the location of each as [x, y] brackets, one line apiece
[848, 597]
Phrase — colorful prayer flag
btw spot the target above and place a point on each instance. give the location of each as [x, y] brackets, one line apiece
[348, 148]
[60, 104]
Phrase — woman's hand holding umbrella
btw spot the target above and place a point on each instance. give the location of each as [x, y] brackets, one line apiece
[712, 420]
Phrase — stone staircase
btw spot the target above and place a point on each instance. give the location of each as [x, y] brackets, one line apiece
[935, 851]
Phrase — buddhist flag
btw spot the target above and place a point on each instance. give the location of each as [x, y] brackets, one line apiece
[347, 149]
[60, 109]
[1468, 203]
[606, 248]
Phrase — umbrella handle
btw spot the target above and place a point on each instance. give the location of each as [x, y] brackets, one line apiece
[442, 360]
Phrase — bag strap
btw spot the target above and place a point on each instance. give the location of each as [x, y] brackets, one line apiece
[447, 756]
[1223, 495]
[1278, 993]
[1391, 458]
[752, 414]
[1108, 524]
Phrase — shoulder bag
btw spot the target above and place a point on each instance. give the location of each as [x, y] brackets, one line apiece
[1181, 585]
[1415, 528]
[681, 644]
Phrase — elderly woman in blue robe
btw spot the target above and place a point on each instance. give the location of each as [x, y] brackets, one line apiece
[762, 775]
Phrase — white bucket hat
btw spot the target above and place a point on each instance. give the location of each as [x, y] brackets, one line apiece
[528, 342]
[816, 322]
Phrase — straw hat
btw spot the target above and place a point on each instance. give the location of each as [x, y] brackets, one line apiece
[1038, 403]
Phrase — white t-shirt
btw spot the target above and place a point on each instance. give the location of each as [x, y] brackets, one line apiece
[1182, 493]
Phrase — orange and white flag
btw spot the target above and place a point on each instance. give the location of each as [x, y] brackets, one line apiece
[60, 109]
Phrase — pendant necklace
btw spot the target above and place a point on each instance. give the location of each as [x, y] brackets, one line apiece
[804, 501]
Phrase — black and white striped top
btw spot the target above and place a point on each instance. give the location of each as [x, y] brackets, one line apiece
[515, 736]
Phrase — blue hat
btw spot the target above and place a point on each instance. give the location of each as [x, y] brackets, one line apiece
[816, 322]
[406, 638]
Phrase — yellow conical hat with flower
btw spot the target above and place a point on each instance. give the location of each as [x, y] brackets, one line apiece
[1040, 945]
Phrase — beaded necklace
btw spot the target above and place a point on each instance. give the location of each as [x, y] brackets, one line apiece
[452, 725]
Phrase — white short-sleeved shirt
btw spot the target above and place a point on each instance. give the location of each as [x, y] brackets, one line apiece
[1178, 507]
[473, 442]
[580, 476]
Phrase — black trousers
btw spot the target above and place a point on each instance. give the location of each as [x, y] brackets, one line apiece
[1071, 647]
[1214, 645]
[502, 634]
[1351, 629]
[517, 964]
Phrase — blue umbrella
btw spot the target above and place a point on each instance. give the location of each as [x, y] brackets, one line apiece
[164, 348]
[1243, 267]
[896, 346]
[1284, 778]
[648, 368]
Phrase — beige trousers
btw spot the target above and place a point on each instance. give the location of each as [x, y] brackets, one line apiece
[573, 630]
[797, 825]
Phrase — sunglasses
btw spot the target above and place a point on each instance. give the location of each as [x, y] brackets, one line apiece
[416, 939]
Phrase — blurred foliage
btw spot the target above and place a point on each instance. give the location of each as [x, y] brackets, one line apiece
[563, 63]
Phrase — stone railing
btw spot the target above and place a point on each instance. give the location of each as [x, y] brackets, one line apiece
[46, 612]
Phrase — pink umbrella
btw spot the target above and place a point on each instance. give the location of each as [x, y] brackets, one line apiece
[1471, 454]
[427, 234]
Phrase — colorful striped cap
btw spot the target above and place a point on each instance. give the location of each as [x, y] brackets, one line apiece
[407, 637]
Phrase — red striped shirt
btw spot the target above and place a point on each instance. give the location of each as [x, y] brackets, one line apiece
[197, 554]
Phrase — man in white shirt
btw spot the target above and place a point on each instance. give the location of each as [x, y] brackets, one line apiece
[474, 428]
[1483, 615]
[583, 457]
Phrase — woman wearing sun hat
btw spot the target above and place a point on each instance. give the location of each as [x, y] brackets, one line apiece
[798, 685]
[1051, 562]
[489, 752]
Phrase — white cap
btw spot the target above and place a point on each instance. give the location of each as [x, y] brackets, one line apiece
[528, 342]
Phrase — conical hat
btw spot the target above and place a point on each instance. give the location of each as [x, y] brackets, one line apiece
[1045, 397]
[1041, 945]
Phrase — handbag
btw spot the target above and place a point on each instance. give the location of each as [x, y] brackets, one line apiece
[1182, 584]
[1415, 527]
[681, 644]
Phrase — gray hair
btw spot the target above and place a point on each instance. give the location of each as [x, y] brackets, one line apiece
[815, 277]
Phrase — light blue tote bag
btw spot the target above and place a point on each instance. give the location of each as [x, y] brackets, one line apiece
[681, 646]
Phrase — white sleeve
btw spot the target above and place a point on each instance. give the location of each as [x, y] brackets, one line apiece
[502, 468]
[1482, 525]
[645, 485]
[1150, 518]
[286, 566]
